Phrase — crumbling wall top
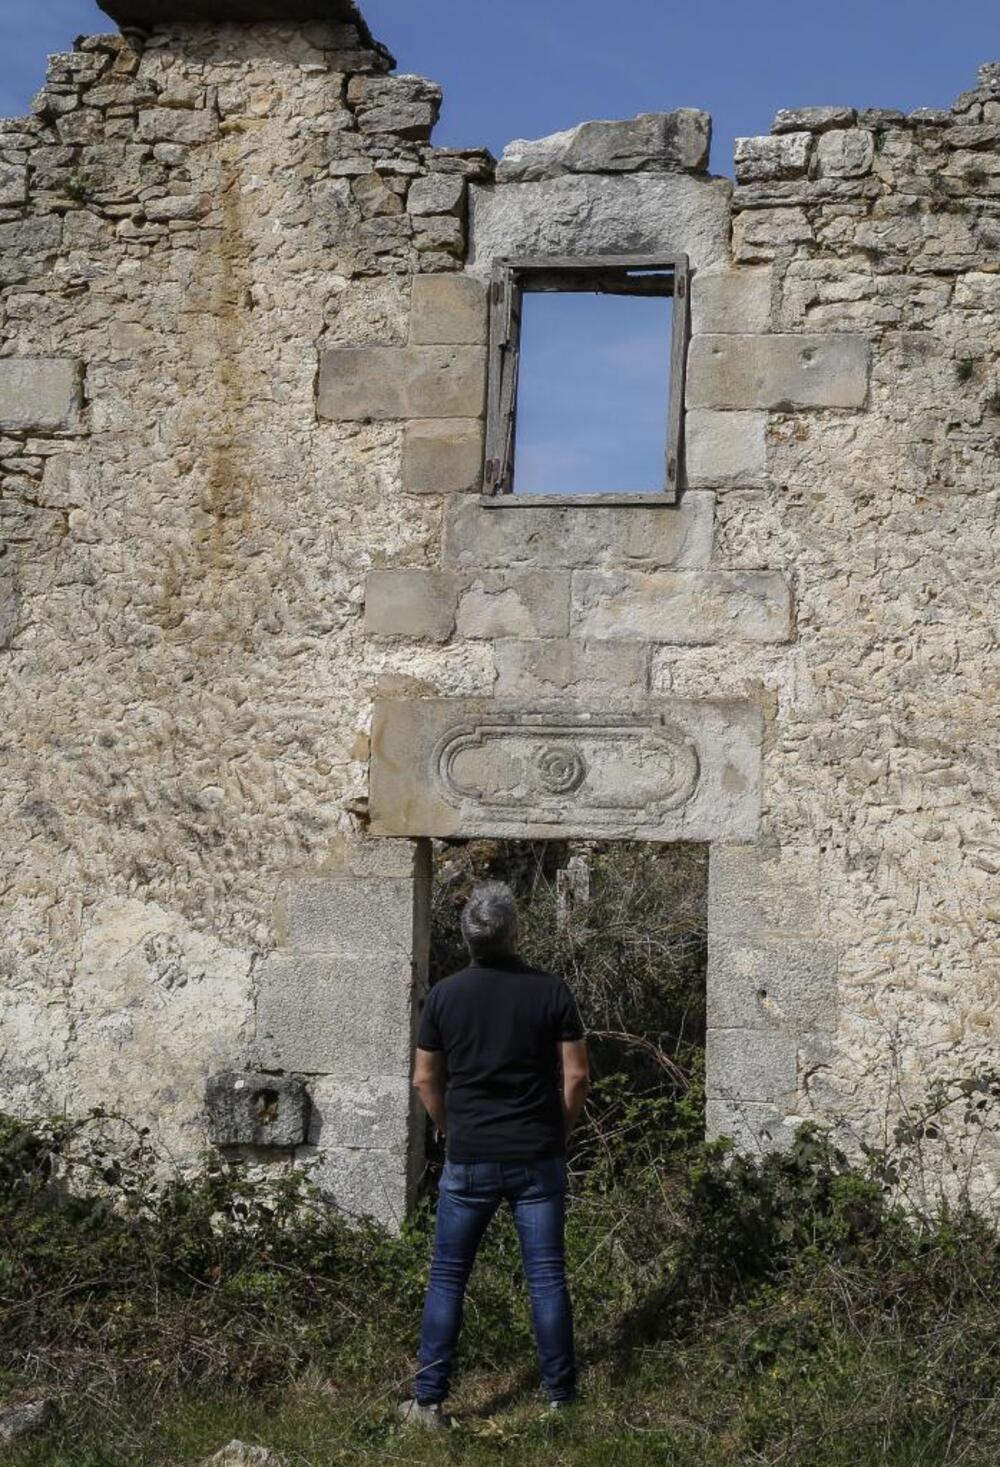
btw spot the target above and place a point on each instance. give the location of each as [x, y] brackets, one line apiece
[146, 14]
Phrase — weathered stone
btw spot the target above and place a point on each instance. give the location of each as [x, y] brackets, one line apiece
[25, 245]
[731, 301]
[346, 916]
[167, 125]
[38, 392]
[786, 984]
[437, 193]
[333, 1015]
[501, 534]
[369, 383]
[783, 156]
[367, 856]
[236, 1453]
[849, 153]
[725, 450]
[411, 120]
[588, 671]
[753, 1127]
[759, 236]
[676, 770]
[366, 1183]
[778, 371]
[654, 141]
[366, 1111]
[693, 608]
[442, 456]
[411, 603]
[17, 1421]
[13, 184]
[448, 310]
[514, 604]
[759, 893]
[812, 119]
[750, 1064]
[247, 1109]
[644, 213]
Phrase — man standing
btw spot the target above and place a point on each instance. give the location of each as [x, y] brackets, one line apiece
[501, 1067]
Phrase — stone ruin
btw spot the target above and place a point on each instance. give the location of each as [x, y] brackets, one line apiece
[268, 628]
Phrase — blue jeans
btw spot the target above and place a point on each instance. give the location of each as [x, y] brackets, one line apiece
[469, 1195]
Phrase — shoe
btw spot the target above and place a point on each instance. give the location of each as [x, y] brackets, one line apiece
[428, 1417]
[556, 1406]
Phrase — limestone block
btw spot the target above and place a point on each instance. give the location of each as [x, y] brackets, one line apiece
[437, 193]
[347, 915]
[748, 1064]
[372, 383]
[731, 301]
[759, 892]
[812, 119]
[514, 604]
[780, 983]
[783, 156]
[779, 371]
[26, 243]
[448, 310]
[246, 1109]
[758, 234]
[687, 608]
[411, 603]
[753, 1127]
[370, 1111]
[519, 533]
[848, 153]
[334, 1015]
[367, 856]
[673, 770]
[725, 450]
[659, 141]
[588, 671]
[39, 392]
[412, 120]
[169, 125]
[13, 184]
[442, 456]
[365, 1183]
[586, 214]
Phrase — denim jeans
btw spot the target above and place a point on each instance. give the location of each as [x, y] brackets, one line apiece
[469, 1195]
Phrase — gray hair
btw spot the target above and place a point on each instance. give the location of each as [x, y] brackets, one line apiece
[489, 920]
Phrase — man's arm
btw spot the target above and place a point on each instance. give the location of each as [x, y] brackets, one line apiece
[428, 1081]
[575, 1080]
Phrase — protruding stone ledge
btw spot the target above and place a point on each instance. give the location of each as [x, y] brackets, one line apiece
[247, 1109]
[812, 119]
[782, 371]
[39, 393]
[651, 142]
[375, 383]
[725, 450]
[672, 770]
[687, 609]
[578, 535]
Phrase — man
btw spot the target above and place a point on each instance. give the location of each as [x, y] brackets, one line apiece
[501, 1067]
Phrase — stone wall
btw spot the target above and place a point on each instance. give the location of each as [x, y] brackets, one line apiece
[242, 382]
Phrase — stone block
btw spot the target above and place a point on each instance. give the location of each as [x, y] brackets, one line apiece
[731, 301]
[519, 533]
[41, 393]
[687, 608]
[374, 383]
[26, 243]
[370, 1111]
[365, 1184]
[748, 1064]
[789, 984]
[442, 455]
[448, 310]
[514, 604]
[782, 371]
[347, 915]
[673, 770]
[766, 158]
[847, 153]
[256, 1110]
[169, 125]
[413, 121]
[587, 214]
[654, 141]
[588, 671]
[13, 184]
[437, 193]
[725, 450]
[367, 856]
[754, 1128]
[758, 234]
[812, 119]
[411, 603]
[760, 892]
[334, 1015]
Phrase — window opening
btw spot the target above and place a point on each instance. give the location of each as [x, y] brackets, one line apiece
[586, 379]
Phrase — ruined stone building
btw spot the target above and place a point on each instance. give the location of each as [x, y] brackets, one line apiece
[271, 619]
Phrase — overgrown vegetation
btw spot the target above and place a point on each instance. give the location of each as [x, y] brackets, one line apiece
[776, 1310]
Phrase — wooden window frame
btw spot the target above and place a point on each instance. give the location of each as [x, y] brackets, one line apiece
[604, 274]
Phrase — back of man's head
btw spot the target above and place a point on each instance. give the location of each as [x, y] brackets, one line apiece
[489, 921]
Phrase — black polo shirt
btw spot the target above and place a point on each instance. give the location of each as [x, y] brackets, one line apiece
[498, 1028]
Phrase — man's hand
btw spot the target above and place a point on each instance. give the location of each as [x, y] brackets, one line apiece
[428, 1081]
[576, 1080]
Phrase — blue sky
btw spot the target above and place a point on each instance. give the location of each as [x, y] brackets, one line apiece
[524, 68]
